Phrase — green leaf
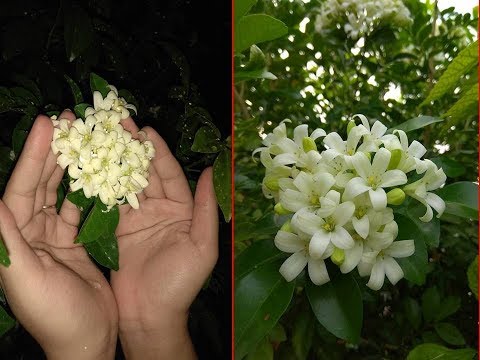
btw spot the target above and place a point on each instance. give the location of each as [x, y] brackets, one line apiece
[76, 92]
[464, 108]
[256, 255]
[242, 7]
[79, 110]
[450, 305]
[428, 232]
[99, 84]
[460, 199]
[338, 306]
[21, 130]
[24, 98]
[415, 266]
[257, 28]
[472, 274]
[302, 333]
[207, 140]
[222, 182]
[413, 312]
[263, 351]
[261, 297]
[83, 203]
[461, 65]
[99, 222]
[450, 167]
[6, 322]
[449, 333]
[434, 352]
[277, 335]
[7, 102]
[417, 123]
[78, 32]
[430, 303]
[4, 258]
[104, 250]
[241, 75]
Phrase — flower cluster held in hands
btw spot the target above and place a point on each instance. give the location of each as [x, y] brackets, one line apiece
[102, 157]
[336, 200]
[360, 17]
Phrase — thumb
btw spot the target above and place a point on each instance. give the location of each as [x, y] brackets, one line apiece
[204, 230]
[23, 260]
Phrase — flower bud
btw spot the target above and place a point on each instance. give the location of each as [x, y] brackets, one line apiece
[280, 210]
[287, 227]
[395, 196]
[338, 256]
[272, 183]
[350, 126]
[309, 144]
[394, 159]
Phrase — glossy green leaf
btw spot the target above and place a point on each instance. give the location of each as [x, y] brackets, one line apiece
[261, 297]
[79, 110]
[460, 199]
[4, 258]
[242, 7]
[256, 255]
[257, 28]
[461, 65]
[417, 123]
[302, 333]
[449, 306]
[98, 222]
[278, 334]
[104, 250]
[24, 98]
[76, 92]
[438, 352]
[207, 140]
[78, 32]
[450, 167]
[472, 274]
[263, 351]
[464, 108]
[338, 306]
[99, 84]
[413, 312]
[7, 102]
[222, 182]
[428, 232]
[6, 322]
[253, 74]
[449, 333]
[83, 203]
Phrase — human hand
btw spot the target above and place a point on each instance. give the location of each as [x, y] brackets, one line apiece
[52, 286]
[168, 247]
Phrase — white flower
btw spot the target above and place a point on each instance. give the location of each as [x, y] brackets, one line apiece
[373, 178]
[373, 138]
[337, 146]
[293, 266]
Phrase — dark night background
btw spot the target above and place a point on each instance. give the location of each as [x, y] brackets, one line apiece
[173, 56]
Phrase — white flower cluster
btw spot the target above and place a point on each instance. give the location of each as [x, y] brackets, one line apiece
[102, 157]
[336, 199]
[360, 17]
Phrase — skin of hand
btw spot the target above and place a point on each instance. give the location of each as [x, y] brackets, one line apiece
[168, 247]
[52, 286]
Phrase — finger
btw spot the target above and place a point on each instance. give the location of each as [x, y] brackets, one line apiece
[52, 175]
[21, 189]
[129, 125]
[70, 213]
[204, 230]
[154, 188]
[172, 179]
[22, 258]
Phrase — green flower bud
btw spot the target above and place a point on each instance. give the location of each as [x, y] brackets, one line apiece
[287, 227]
[350, 126]
[338, 256]
[394, 159]
[395, 196]
[271, 183]
[369, 156]
[280, 210]
[309, 144]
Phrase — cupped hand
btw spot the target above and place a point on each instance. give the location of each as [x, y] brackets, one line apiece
[52, 286]
[168, 247]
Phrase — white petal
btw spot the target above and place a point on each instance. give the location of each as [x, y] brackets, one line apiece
[428, 214]
[361, 226]
[436, 202]
[97, 100]
[343, 213]
[361, 164]
[318, 271]
[364, 268]
[318, 133]
[380, 240]
[334, 141]
[393, 271]
[393, 178]
[401, 249]
[341, 238]
[293, 200]
[132, 200]
[300, 132]
[378, 198]
[319, 243]
[140, 180]
[323, 182]
[293, 266]
[284, 159]
[380, 161]
[377, 276]
[288, 242]
[355, 187]
[352, 257]
[304, 182]
[378, 129]
[416, 149]
[307, 222]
